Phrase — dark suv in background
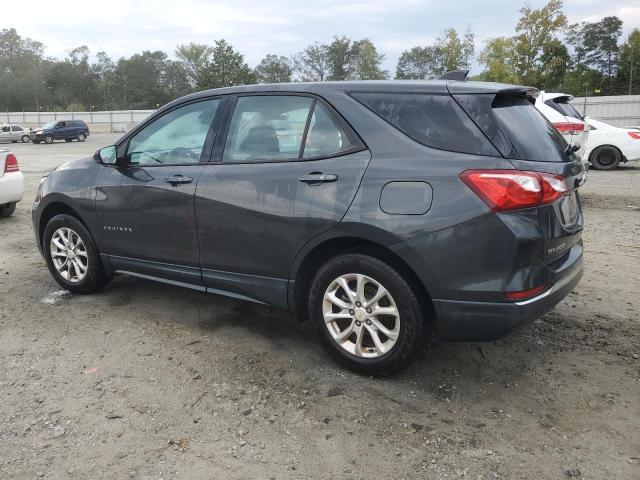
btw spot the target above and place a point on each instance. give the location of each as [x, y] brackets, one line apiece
[67, 130]
[382, 211]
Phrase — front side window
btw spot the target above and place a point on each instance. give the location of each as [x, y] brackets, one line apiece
[324, 137]
[265, 128]
[434, 120]
[176, 138]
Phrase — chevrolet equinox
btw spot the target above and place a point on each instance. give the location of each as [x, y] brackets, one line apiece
[384, 212]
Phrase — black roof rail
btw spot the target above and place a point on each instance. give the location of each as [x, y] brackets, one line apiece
[459, 75]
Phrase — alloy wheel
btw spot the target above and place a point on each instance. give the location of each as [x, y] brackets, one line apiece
[361, 315]
[69, 255]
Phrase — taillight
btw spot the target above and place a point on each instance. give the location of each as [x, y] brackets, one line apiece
[11, 164]
[513, 189]
[521, 295]
[569, 127]
[634, 135]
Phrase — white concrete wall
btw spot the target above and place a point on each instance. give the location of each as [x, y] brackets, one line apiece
[621, 110]
[99, 122]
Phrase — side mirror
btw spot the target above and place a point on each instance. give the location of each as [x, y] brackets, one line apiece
[107, 155]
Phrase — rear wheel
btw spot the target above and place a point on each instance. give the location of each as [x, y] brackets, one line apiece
[81, 137]
[25, 139]
[72, 256]
[606, 157]
[48, 139]
[7, 210]
[366, 314]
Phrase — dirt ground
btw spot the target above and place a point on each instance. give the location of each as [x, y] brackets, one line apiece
[149, 381]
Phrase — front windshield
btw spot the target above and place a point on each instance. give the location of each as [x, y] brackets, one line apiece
[49, 125]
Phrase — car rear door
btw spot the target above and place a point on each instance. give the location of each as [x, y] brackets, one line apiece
[285, 171]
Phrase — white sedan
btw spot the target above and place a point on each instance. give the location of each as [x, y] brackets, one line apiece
[11, 183]
[607, 145]
[14, 133]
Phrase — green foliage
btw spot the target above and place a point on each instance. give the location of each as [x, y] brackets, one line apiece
[450, 52]
[274, 69]
[342, 59]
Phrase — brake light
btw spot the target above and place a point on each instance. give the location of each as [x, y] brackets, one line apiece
[11, 164]
[521, 295]
[569, 127]
[634, 135]
[513, 189]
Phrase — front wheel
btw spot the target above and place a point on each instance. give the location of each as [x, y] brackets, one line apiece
[48, 139]
[72, 256]
[606, 158]
[366, 314]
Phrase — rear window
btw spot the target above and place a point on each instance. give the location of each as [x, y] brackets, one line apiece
[562, 105]
[515, 126]
[433, 120]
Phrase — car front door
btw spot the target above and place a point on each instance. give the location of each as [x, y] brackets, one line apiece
[257, 203]
[145, 207]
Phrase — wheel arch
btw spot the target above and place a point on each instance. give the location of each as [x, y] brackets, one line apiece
[53, 208]
[307, 264]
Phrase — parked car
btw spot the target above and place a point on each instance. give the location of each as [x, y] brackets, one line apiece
[14, 133]
[67, 130]
[564, 117]
[11, 183]
[608, 146]
[394, 217]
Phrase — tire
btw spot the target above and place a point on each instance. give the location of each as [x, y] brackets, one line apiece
[606, 157]
[25, 139]
[68, 139]
[407, 326]
[69, 277]
[7, 210]
[48, 139]
[82, 137]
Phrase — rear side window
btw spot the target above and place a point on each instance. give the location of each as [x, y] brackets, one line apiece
[563, 106]
[434, 120]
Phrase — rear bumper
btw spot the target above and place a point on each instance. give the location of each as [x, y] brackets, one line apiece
[485, 321]
[11, 187]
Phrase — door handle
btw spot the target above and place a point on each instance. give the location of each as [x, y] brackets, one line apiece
[316, 178]
[178, 180]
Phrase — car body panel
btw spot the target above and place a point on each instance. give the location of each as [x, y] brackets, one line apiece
[11, 183]
[605, 134]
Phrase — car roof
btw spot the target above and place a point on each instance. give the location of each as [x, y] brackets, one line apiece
[396, 86]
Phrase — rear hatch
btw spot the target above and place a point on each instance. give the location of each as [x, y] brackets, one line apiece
[574, 127]
[531, 143]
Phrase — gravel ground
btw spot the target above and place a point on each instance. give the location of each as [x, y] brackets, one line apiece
[149, 381]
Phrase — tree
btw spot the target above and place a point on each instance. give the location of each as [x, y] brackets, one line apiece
[449, 52]
[274, 69]
[496, 57]
[312, 64]
[225, 68]
[628, 76]
[195, 57]
[367, 62]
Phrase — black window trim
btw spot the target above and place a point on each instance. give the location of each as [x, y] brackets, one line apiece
[122, 146]
[351, 93]
[357, 145]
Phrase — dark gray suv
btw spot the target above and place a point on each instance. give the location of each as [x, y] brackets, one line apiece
[384, 212]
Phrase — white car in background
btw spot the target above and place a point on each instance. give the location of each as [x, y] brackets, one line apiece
[608, 146]
[11, 183]
[564, 117]
[14, 133]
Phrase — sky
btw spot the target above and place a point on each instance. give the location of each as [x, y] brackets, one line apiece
[283, 27]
